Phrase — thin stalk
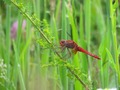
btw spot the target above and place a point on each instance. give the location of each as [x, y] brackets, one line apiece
[55, 34]
[18, 68]
[113, 8]
[7, 54]
[63, 70]
[87, 7]
[83, 59]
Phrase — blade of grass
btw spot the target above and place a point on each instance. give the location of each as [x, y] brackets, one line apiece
[113, 34]
[8, 43]
[75, 38]
[83, 59]
[87, 7]
[55, 34]
[17, 68]
[63, 70]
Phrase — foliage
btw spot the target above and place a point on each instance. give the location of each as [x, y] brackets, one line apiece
[32, 59]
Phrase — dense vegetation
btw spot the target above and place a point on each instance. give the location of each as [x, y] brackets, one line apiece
[30, 55]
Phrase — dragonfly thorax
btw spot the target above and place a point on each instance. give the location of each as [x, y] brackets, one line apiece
[67, 44]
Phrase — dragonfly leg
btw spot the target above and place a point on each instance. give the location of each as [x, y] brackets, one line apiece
[60, 49]
[67, 55]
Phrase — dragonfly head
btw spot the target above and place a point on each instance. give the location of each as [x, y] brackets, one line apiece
[62, 42]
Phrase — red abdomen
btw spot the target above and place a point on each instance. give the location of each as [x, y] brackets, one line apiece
[86, 52]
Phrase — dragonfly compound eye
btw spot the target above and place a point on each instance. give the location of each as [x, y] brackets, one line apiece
[62, 43]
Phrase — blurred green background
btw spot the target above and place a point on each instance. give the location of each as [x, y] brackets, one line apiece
[30, 32]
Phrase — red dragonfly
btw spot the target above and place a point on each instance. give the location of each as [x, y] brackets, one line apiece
[75, 48]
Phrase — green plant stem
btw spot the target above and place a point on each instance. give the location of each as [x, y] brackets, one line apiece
[7, 55]
[78, 78]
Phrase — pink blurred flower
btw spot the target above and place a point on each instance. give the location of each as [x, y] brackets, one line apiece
[24, 24]
[14, 28]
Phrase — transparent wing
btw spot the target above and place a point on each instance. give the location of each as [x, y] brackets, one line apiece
[64, 52]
